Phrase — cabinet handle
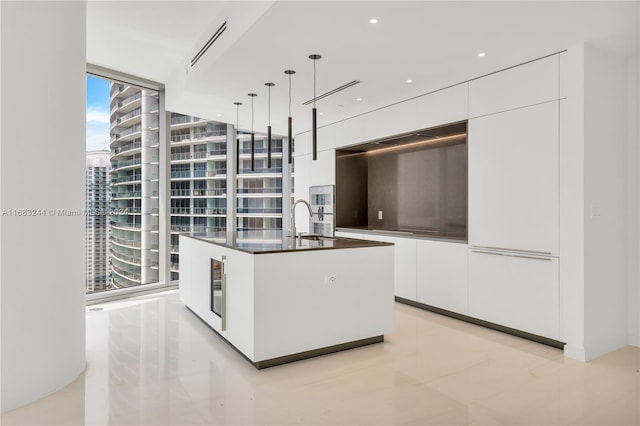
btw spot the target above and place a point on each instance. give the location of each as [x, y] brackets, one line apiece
[516, 250]
[512, 255]
[223, 302]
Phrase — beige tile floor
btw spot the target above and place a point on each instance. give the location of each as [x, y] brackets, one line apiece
[150, 361]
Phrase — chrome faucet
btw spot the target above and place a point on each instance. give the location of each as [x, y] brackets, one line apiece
[293, 215]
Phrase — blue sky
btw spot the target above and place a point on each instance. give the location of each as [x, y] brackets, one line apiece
[97, 113]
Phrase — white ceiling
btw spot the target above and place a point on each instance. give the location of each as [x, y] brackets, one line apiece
[433, 43]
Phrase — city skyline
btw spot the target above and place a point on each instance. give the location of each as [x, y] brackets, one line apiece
[122, 124]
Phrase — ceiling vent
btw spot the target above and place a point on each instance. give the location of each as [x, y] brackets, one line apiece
[332, 92]
[212, 40]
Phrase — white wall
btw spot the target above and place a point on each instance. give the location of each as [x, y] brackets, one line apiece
[605, 147]
[42, 167]
[633, 164]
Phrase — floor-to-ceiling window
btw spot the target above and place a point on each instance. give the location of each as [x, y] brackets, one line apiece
[123, 184]
[122, 181]
[198, 179]
[259, 195]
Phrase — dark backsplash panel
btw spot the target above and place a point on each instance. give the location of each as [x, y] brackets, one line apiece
[351, 190]
[421, 189]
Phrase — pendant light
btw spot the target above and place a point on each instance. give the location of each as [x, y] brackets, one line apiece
[237, 104]
[269, 85]
[253, 136]
[314, 122]
[289, 133]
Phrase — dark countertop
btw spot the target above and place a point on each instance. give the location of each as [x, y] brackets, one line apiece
[263, 242]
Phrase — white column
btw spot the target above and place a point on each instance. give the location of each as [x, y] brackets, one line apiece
[43, 273]
[593, 225]
[633, 213]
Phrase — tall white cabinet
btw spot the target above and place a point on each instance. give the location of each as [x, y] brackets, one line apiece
[514, 198]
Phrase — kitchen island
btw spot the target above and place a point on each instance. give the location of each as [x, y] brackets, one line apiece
[276, 299]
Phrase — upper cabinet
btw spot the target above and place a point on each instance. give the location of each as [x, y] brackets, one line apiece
[433, 109]
[440, 107]
[528, 84]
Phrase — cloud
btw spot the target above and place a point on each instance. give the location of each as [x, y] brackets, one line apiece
[97, 115]
[97, 129]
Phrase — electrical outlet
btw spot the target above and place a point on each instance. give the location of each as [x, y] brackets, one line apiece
[330, 279]
[379, 214]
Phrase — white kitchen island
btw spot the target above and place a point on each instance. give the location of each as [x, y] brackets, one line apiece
[278, 301]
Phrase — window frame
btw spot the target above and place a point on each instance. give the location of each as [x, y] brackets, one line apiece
[164, 155]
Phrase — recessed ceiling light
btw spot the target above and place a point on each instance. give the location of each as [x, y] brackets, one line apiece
[409, 81]
[358, 99]
[321, 113]
[373, 21]
[219, 115]
[481, 54]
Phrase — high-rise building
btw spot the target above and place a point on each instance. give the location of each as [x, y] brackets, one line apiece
[260, 191]
[97, 205]
[134, 182]
[199, 181]
[198, 189]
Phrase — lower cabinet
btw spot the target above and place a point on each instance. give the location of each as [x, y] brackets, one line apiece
[515, 291]
[442, 275]
[404, 265]
[508, 289]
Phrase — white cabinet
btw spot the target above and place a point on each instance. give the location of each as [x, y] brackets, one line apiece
[514, 204]
[442, 275]
[515, 291]
[514, 179]
[405, 261]
[440, 107]
[281, 303]
[405, 266]
[527, 84]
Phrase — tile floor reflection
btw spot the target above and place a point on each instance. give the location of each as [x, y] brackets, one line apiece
[151, 361]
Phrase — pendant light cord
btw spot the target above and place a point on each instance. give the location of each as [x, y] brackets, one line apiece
[269, 105]
[314, 83]
[289, 95]
[252, 114]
